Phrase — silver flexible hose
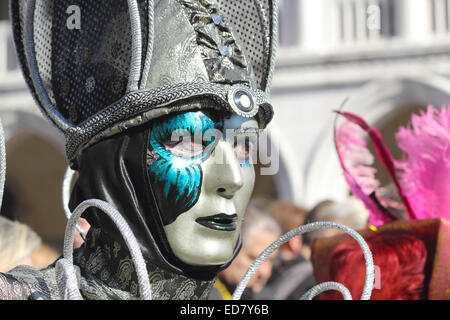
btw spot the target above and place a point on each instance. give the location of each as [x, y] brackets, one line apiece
[2, 163]
[151, 31]
[368, 286]
[322, 287]
[127, 234]
[275, 36]
[43, 98]
[136, 46]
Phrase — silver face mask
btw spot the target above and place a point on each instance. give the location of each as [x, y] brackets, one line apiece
[208, 232]
[202, 177]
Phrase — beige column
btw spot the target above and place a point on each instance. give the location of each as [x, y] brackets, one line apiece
[413, 19]
[440, 16]
[312, 23]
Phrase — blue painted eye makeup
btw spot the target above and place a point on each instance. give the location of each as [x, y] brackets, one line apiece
[176, 148]
[183, 136]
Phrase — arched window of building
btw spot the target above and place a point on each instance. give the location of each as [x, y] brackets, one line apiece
[11, 55]
[289, 22]
[4, 10]
[8, 55]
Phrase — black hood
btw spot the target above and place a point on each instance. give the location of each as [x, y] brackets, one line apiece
[114, 170]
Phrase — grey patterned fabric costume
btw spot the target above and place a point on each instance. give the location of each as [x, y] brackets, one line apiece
[102, 85]
[106, 272]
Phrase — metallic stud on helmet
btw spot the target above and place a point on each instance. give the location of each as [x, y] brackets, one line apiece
[242, 101]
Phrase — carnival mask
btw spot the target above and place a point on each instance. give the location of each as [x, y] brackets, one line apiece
[202, 176]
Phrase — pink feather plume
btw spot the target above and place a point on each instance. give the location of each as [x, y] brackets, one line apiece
[425, 167]
[354, 152]
[357, 164]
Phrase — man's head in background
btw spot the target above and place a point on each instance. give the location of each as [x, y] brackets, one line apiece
[351, 213]
[289, 216]
[259, 230]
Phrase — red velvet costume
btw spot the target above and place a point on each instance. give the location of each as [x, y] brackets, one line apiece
[401, 261]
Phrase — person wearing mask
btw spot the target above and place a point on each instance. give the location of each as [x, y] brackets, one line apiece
[159, 106]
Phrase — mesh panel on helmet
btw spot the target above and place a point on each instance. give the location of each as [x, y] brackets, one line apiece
[84, 67]
[246, 22]
[90, 65]
[42, 32]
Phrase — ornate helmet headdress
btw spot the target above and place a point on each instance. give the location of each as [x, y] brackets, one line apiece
[96, 69]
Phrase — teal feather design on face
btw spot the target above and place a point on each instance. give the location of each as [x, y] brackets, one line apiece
[245, 164]
[186, 178]
[179, 178]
